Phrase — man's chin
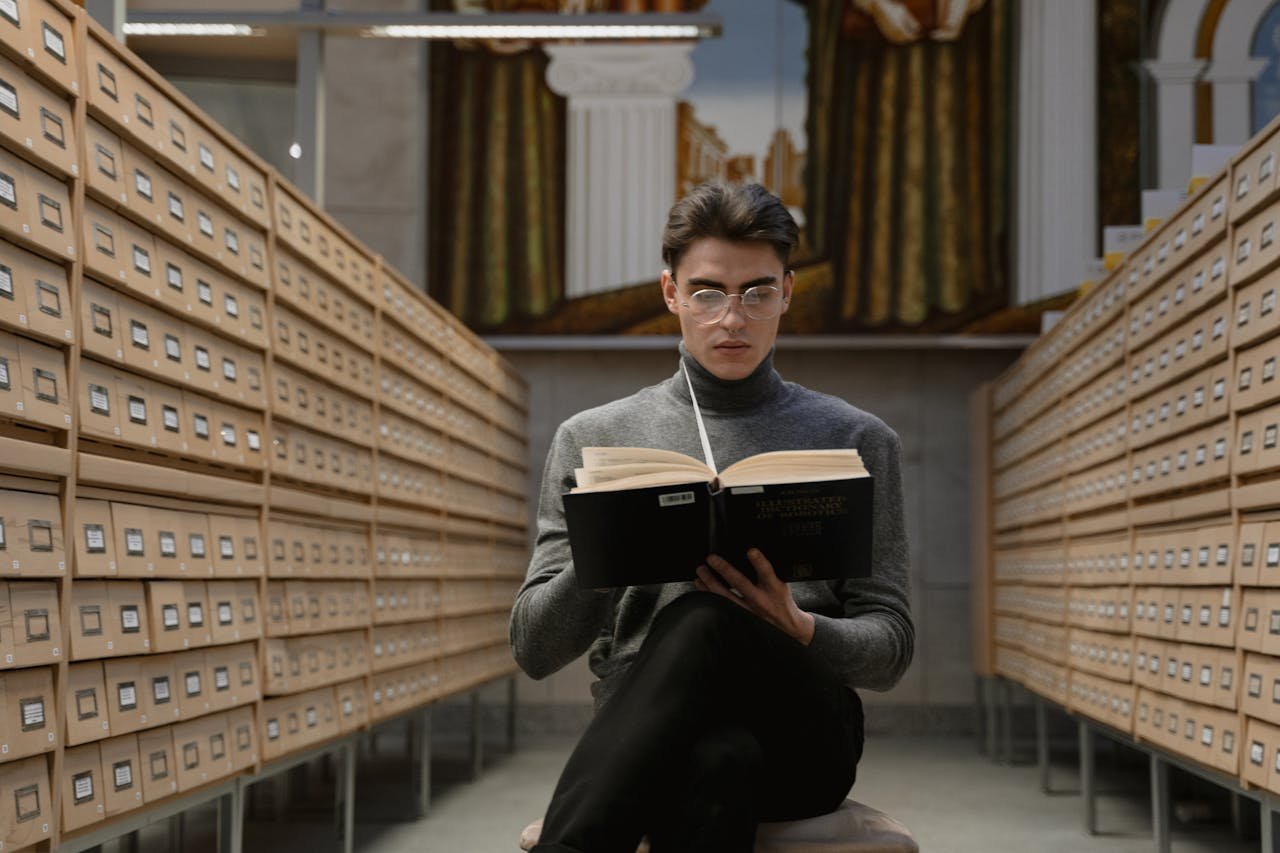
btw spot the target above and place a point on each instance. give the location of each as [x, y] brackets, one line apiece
[732, 364]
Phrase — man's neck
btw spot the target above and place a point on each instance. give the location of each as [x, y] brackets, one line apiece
[725, 395]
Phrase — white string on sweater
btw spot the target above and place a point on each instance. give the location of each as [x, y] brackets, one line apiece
[702, 429]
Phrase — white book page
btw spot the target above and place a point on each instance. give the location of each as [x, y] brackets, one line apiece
[600, 457]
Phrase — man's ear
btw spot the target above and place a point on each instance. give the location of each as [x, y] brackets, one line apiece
[669, 293]
[788, 287]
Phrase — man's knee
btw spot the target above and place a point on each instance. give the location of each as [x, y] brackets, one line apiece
[701, 614]
[715, 807]
[729, 758]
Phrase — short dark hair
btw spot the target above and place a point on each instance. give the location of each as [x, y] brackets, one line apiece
[735, 212]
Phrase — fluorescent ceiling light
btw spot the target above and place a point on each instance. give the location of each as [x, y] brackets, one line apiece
[539, 31]
[161, 29]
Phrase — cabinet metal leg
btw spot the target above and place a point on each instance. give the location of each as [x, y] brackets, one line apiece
[1087, 778]
[345, 800]
[279, 794]
[477, 736]
[1267, 825]
[422, 763]
[1042, 743]
[1006, 701]
[1160, 805]
[300, 786]
[178, 832]
[989, 709]
[978, 714]
[511, 714]
[231, 821]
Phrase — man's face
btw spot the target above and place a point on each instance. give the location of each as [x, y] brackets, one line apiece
[732, 347]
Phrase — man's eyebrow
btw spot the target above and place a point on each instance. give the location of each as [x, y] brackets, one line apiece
[698, 281]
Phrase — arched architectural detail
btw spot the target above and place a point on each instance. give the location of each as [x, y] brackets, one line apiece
[1232, 69]
[1176, 29]
[1175, 71]
[1057, 107]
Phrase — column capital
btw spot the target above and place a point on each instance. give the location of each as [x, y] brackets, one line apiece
[619, 70]
[1175, 70]
[1236, 69]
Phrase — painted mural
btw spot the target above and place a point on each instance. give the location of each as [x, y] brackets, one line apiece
[883, 125]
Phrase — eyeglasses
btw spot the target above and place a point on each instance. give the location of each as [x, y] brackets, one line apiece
[762, 302]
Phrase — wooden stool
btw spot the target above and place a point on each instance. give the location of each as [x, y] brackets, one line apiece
[852, 828]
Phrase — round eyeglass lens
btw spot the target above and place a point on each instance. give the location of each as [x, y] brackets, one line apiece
[761, 302]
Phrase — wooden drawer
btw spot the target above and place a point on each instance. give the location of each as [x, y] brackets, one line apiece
[34, 295]
[1200, 340]
[1256, 382]
[1255, 249]
[1255, 316]
[1253, 178]
[1257, 449]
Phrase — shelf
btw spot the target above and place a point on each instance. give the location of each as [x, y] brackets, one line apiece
[112, 472]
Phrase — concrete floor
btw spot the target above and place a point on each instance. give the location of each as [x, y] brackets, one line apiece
[954, 800]
[951, 797]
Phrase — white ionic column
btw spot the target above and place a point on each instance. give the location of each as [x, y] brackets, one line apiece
[1057, 206]
[621, 156]
[1175, 117]
[1232, 78]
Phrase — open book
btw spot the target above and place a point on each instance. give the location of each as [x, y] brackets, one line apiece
[643, 516]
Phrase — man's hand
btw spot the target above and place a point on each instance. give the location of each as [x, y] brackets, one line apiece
[768, 598]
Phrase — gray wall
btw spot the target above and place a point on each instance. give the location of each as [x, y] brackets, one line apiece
[375, 163]
[921, 393]
[375, 133]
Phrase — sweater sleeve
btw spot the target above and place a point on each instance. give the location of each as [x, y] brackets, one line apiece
[873, 643]
[554, 621]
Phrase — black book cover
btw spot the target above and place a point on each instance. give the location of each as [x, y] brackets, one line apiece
[633, 537]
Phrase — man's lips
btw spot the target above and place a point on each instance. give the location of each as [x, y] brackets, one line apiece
[732, 345]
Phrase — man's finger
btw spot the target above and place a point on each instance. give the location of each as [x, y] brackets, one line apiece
[715, 585]
[729, 572]
[740, 582]
[764, 569]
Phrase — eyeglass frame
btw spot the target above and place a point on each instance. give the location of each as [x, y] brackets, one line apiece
[741, 296]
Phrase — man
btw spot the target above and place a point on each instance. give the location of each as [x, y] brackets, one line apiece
[720, 702]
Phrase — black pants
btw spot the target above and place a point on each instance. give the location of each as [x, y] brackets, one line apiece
[721, 721]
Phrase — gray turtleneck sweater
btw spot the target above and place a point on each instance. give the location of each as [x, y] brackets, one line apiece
[864, 629]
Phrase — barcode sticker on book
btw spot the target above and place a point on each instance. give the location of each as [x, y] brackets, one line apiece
[676, 499]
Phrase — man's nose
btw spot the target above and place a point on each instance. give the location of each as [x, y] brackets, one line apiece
[735, 317]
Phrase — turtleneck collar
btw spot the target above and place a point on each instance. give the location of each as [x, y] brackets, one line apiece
[727, 395]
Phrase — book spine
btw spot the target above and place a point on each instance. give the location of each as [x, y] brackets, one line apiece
[718, 522]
